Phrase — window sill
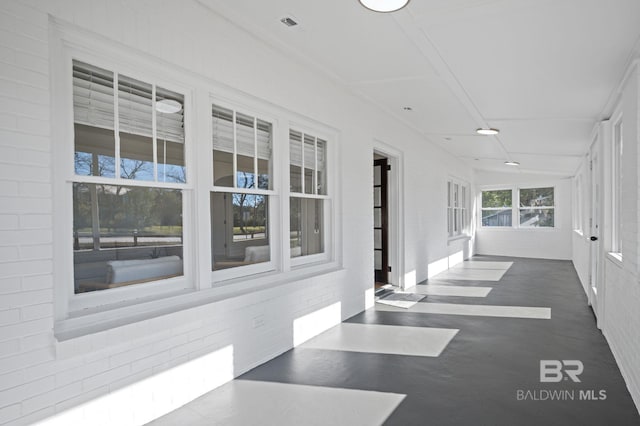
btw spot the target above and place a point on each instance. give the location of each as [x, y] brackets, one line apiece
[463, 237]
[84, 325]
[615, 258]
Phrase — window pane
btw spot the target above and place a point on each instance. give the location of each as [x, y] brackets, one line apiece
[537, 218]
[125, 235]
[245, 146]
[496, 199]
[322, 167]
[456, 195]
[533, 197]
[309, 164]
[239, 226]
[135, 118]
[170, 136]
[295, 154]
[222, 126]
[265, 132]
[93, 120]
[496, 217]
[307, 223]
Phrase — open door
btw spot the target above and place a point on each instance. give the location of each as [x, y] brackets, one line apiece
[381, 220]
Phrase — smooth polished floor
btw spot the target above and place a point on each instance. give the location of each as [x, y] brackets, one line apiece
[468, 353]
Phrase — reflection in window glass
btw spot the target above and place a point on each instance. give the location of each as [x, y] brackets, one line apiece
[537, 207]
[239, 225]
[496, 217]
[170, 136]
[309, 164]
[222, 123]
[241, 146]
[322, 166]
[125, 235]
[537, 218]
[245, 149]
[93, 120]
[136, 139]
[306, 226]
[496, 208]
[295, 153]
[496, 199]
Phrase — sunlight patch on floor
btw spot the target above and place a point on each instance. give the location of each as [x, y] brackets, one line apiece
[452, 290]
[473, 310]
[384, 339]
[248, 402]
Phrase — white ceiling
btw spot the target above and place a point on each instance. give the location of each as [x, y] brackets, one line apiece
[542, 71]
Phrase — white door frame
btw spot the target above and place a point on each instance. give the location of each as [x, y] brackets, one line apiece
[601, 152]
[395, 188]
[595, 228]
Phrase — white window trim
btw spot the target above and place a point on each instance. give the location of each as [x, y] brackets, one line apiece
[463, 207]
[274, 264]
[116, 307]
[68, 304]
[515, 207]
[329, 214]
[480, 208]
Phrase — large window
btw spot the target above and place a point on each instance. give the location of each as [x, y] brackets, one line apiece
[129, 163]
[457, 208]
[308, 188]
[519, 207]
[144, 215]
[242, 178]
[537, 207]
[496, 207]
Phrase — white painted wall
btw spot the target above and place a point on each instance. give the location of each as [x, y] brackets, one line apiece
[536, 243]
[133, 373]
[619, 289]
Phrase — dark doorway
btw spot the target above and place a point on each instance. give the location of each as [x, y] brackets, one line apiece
[381, 220]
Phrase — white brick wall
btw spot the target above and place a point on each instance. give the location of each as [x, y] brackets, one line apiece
[622, 281]
[129, 372]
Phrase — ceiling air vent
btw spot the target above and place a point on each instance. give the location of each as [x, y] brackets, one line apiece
[288, 21]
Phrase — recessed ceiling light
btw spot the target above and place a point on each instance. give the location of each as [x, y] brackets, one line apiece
[384, 5]
[511, 163]
[487, 131]
[288, 21]
[168, 106]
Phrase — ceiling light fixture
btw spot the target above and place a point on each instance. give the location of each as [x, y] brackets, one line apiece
[407, 108]
[511, 163]
[168, 106]
[487, 131]
[384, 5]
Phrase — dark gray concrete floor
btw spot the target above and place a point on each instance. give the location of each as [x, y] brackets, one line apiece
[475, 381]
